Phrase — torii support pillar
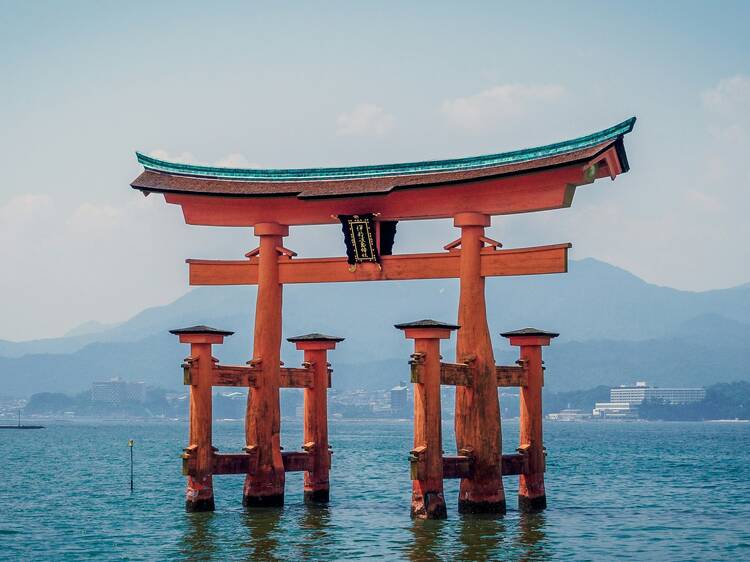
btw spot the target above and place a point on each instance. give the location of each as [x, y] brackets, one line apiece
[427, 499]
[265, 486]
[316, 481]
[477, 418]
[200, 487]
[531, 494]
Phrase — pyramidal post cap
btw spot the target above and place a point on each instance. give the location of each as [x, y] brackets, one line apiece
[315, 336]
[200, 329]
[529, 332]
[427, 323]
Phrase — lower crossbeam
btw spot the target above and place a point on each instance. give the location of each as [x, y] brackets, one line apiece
[461, 466]
[246, 463]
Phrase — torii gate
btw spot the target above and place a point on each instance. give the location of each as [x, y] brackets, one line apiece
[468, 190]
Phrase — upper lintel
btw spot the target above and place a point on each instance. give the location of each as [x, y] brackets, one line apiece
[511, 182]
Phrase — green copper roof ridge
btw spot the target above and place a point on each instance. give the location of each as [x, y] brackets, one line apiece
[381, 170]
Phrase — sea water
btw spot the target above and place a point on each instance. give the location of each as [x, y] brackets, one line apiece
[616, 491]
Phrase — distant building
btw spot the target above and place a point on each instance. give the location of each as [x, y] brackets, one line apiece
[118, 391]
[615, 410]
[398, 399]
[569, 414]
[641, 392]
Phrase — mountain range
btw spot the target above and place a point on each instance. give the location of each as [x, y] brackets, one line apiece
[614, 328]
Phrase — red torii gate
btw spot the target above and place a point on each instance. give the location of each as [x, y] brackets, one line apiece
[469, 190]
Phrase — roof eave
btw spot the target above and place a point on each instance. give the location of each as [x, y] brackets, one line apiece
[614, 133]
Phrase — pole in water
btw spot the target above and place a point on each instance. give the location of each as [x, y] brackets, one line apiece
[131, 442]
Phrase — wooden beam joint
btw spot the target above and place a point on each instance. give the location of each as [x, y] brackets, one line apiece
[417, 367]
[418, 463]
[189, 370]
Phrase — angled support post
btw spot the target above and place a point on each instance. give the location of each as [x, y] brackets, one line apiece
[199, 452]
[427, 499]
[531, 493]
[316, 481]
[477, 419]
[265, 487]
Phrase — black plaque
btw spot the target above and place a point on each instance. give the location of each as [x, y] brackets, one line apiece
[359, 237]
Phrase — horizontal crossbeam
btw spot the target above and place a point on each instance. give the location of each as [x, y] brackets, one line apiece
[443, 265]
[248, 376]
[235, 463]
[293, 377]
[456, 374]
[460, 466]
[511, 375]
[235, 375]
[297, 461]
[246, 463]
[457, 467]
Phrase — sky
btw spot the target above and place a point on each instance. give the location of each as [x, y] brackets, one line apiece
[284, 84]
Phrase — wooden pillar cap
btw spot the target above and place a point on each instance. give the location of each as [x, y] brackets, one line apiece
[427, 329]
[315, 341]
[471, 219]
[529, 336]
[201, 334]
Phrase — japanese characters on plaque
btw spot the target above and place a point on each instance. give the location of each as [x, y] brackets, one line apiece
[359, 237]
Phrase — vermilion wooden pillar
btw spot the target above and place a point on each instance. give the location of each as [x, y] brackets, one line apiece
[265, 487]
[427, 499]
[200, 488]
[316, 481]
[477, 419]
[531, 494]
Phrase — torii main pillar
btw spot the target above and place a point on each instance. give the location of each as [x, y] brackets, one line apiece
[477, 417]
[265, 486]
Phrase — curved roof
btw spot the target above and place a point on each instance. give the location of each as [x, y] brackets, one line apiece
[174, 177]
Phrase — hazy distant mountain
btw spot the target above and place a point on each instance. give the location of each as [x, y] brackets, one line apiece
[90, 327]
[614, 328]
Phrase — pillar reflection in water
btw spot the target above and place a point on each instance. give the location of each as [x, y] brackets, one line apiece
[318, 544]
[531, 535]
[482, 537]
[263, 537]
[428, 542]
[199, 540]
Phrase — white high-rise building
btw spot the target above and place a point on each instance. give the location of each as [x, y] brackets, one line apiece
[641, 392]
[117, 391]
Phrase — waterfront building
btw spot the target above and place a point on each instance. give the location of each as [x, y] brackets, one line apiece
[641, 392]
[569, 414]
[615, 410]
[118, 391]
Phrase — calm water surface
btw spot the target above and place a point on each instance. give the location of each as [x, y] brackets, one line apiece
[641, 491]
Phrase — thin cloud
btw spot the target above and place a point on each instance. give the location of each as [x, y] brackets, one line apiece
[231, 160]
[729, 99]
[365, 119]
[499, 104]
[20, 217]
[183, 158]
[236, 160]
[90, 218]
